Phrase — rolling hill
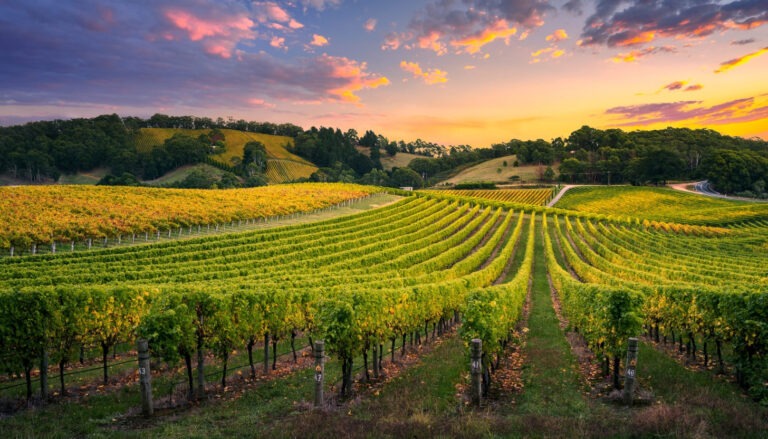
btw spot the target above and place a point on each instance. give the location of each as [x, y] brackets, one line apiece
[282, 166]
[496, 171]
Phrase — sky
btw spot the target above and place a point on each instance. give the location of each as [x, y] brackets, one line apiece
[455, 72]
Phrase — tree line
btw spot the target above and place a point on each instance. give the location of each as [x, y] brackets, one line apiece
[42, 151]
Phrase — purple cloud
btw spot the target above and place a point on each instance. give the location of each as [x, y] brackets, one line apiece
[204, 54]
[443, 26]
[636, 22]
[736, 111]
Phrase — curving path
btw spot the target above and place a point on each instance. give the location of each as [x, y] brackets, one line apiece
[705, 188]
[560, 194]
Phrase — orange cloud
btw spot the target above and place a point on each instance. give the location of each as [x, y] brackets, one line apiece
[725, 66]
[352, 75]
[640, 38]
[222, 34]
[319, 41]
[430, 77]
[553, 53]
[558, 35]
[474, 43]
[635, 55]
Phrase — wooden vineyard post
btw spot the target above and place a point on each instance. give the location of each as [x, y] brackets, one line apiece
[319, 372]
[145, 379]
[629, 374]
[477, 371]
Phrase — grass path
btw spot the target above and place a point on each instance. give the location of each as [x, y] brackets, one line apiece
[552, 394]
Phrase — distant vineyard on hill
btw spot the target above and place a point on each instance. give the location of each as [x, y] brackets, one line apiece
[282, 166]
[536, 197]
[663, 204]
[280, 171]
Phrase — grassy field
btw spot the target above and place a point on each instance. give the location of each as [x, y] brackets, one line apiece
[661, 204]
[400, 160]
[183, 172]
[495, 171]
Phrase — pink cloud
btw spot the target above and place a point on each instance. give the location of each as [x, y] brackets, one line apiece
[221, 33]
[370, 24]
[260, 103]
[736, 111]
[277, 42]
[430, 77]
[273, 15]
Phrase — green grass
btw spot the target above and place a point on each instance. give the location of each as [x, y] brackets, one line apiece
[551, 377]
[399, 160]
[494, 171]
[183, 172]
[661, 204]
[90, 177]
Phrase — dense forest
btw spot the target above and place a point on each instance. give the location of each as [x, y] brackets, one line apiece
[733, 165]
[42, 151]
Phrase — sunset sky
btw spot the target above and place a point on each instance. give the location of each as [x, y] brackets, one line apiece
[454, 72]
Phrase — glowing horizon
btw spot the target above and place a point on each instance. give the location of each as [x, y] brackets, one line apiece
[471, 72]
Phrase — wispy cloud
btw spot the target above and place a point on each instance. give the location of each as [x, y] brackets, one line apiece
[743, 42]
[319, 4]
[634, 55]
[547, 53]
[430, 76]
[370, 24]
[622, 23]
[735, 111]
[728, 65]
[682, 86]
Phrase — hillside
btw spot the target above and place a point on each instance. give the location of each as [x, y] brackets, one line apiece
[494, 170]
[661, 204]
[282, 166]
[400, 160]
[552, 294]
